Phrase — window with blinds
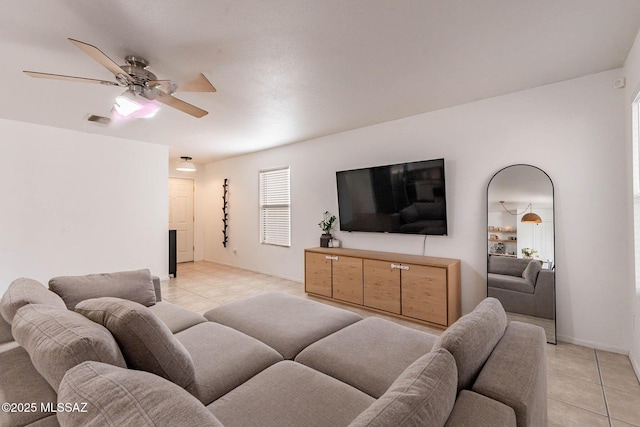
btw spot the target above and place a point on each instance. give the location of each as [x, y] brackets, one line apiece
[275, 207]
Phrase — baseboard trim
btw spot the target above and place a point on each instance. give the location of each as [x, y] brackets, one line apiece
[592, 344]
[257, 271]
[635, 364]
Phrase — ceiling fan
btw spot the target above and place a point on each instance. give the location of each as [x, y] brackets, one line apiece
[139, 82]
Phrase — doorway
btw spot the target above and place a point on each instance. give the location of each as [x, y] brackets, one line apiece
[181, 216]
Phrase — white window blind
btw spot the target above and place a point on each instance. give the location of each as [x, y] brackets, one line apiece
[275, 207]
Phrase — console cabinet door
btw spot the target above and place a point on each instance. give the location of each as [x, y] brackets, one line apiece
[347, 279]
[317, 278]
[381, 286]
[424, 293]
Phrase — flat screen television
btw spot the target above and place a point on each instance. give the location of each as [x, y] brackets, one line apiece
[404, 198]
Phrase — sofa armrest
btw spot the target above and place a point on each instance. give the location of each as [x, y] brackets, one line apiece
[516, 374]
[473, 409]
[545, 294]
[546, 279]
[157, 288]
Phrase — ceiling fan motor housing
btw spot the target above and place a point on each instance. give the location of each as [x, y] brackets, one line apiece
[136, 69]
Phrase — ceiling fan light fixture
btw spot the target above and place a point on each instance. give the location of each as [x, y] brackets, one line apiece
[130, 106]
[148, 110]
[185, 165]
[126, 104]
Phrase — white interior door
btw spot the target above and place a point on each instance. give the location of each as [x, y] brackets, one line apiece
[181, 216]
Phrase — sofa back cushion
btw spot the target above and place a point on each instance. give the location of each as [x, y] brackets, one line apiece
[131, 285]
[508, 266]
[58, 339]
[471, 339]
[26, 291]
[423, 395]
[118, 397]
[531, 272]
[146, 343]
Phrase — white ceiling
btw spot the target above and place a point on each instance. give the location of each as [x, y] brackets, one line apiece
[292, 70]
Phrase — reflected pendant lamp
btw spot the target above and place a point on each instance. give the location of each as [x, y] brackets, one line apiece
[531, 218]
[185, 165]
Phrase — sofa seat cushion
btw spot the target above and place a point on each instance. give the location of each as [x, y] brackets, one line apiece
[131, 285]
[50, 421]
[473, 409]
[122, 397]
[146, 343]
[58, 339]
[512, 283]
[369, 355]
[21, 383]
[26, 291]
[223, 358]
[289, 394]
[471, 339]
[175, 317]
[284, 322]
[423, 395]
[516, 373]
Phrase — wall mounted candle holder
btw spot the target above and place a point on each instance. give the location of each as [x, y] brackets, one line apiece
[225, 211]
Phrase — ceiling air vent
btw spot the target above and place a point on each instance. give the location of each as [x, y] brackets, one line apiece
[99, 119]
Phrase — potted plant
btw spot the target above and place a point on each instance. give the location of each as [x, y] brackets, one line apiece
[326, 225]
[528, 253]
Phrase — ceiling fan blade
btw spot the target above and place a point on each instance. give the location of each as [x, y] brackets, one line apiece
[199, 84]
[69, 78]
[102, 59]
[178, 104]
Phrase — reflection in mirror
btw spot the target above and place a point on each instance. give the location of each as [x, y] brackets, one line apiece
[521, 250]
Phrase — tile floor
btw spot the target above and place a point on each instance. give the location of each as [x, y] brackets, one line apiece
[586, 387]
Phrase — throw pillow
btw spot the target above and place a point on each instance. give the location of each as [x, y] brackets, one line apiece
[58, 339]
[118, 397]
[146, 343]
[472, 338]
[131, 285]
[423, 395]
[26, 291]
[531, 272]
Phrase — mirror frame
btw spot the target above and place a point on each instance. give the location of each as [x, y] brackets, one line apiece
[553, 214]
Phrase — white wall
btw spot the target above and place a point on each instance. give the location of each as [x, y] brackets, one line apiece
[573, 130]
[76, 203]
[632, 73]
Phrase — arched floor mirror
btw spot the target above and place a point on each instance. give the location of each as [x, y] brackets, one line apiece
[521, 245]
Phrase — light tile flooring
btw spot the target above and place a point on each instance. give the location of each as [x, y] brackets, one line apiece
[586, 387]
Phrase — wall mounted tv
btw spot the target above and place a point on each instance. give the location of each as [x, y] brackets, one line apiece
[404, 198]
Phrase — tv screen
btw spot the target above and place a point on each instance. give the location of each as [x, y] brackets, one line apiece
[404, 198]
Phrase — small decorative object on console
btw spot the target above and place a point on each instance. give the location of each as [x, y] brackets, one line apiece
[326, 225]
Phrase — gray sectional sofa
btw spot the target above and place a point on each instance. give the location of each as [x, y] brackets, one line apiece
[123, 356]
[522, 286]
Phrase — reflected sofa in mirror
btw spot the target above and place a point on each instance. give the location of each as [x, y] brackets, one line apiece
[521, 245]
